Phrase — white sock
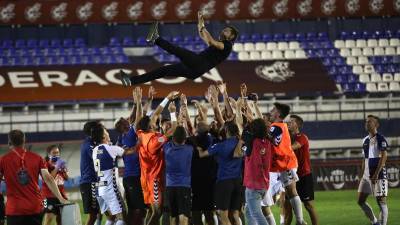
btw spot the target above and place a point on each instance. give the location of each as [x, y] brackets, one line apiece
[282, 219]
[384, 212]
[119, 222]
[109, 222]
[270, 219]
[297, 208]
[215, 217]
[368, 212]
[240, 221]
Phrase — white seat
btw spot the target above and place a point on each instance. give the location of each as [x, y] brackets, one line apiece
[243, 56]
[372, 43]
[383, 42]
[300, 54]
[351, 60]
[387, 77]
[398, 50]
[294, 45]
[390, 51]
[368, 51]
[360, 43]
[397, 77]
[271, 46]
[289, 54]
[283, 46]
[362, 60]
[369, 69]
[248, 47]
[339, 44]
[260, 46]
[371, 87]
[356, 52]
[364, 78]
[345, 52]
[383, 87]
[358, 70]
[254, 55]
[394, 86]
[350, 44]
[376, 77]
[266, 55]
[394, 42]
[276, 54]
[379, 51]
[237, 47]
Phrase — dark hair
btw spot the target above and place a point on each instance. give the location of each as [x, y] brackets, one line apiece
[258, 128]
[232, 128]
[48, 150]
[16, 138]
[97, 134]
[283, 109]
[179, 135]
[87, 128]
[373, 116]
[144, 124]
[298, 119]
[234, 31]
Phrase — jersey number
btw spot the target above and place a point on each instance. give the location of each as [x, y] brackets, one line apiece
[97, 167]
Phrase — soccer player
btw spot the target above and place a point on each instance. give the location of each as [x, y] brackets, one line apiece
[58, 170]
[178, 158]
[192, 65]
[21, 169]
[228, 188]
[283, 158]
[104, 156]
[374, 180]
[305, 185]
[88, 176]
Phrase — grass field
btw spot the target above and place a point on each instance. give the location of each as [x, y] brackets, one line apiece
[340, 208]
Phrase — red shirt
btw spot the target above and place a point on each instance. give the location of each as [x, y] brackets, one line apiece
[59, 179]
[22, 200]
[303, 155]
[257, 165]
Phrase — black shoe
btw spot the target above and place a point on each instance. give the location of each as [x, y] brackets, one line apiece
[153, 33]
[124, 78]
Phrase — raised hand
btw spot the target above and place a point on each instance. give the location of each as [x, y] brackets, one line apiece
[214, 93]
[139, 93]
[173, 95]
[221, 87]
[172, 107]
[152, 92]
[243, 90]
[183, 100]
[207, 95]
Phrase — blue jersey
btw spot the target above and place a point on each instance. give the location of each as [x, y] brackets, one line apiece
[372, 147]
[228, 166]
[128, 140]
[88, 174]
[178, 163]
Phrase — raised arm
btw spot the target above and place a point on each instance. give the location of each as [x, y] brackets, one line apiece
[138, 102]
[172, 95]
[223, 90]
[256, 107]
[201, 110]
[174, 121]
[214, 103]
[185, 111]
[206, 36]
[149, 102]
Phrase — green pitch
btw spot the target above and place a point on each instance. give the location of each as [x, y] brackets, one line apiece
[340, 208]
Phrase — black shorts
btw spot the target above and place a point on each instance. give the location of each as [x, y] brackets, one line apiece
[228, 194]
[25, 220]
[179, 201]
[133, 193]
[203, 195]
[51, 205]
[2, 208]
[305, 188]
[89, 200]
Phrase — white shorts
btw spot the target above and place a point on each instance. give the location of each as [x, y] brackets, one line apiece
[110, 201]
[288, 177]
[275, 187]
[379, 189]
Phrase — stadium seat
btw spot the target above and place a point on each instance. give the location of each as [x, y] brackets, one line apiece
[255, 37]
[398, 50]
[362, 60]
[387, 77]
[55, 43]
[271, 46]
[383, 87]
[356, 52]
[369, 69]
[371, 87]
[278, 37]
[390, 51]
[283, 46]
[249, 46]
[294, 45]
[339, 44]
[289, 37]
[44, 43]
[127, 41]
[351, 61]
[141, 41]
[372, 43]
[266, 55]
[289, 54]
[358, 70]
[67, 43]
[20, 43]
[394, 86]
[368, 51]
[397, 77]
[266, 37]
[360, 88]
[350, 43]
[394, 42]
[237, 47]
[32, 43]
[300, 54]
[114, 41]
[383, 42]
[345, 52]
[379, 51]
[360, 43]
[364, 78]
[79, 42]
[376, 77]
[7, 44]
[243, 56]
[254, 55]
[260, 46]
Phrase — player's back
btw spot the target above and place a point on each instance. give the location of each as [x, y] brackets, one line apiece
[150, 153]
[283, 157]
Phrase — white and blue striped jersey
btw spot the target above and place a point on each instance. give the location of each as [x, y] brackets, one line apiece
[104, 163]
[372, 147]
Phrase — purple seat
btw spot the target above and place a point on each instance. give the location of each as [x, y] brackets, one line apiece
[114, 42]
[266, 37]
[351, 78]
[344, 35]
[55, 43]
[36, 52]
[359, 87]
[44, 43]
[68, 43]
[127, 41]
[339, 79]
[177, 39]
[243, 38]
[289, 37]
[141, 41]
[256, 37]
[7, 44]
[40, 61]
[322, 36]
[278, 37]
[94, 51]
[348, 87]
[327, 62]
[311, 36]
[79, 42]
[105, 51]
[188, 39]
[300, 37]
[20, 43]
[32, 43]
[52, 60]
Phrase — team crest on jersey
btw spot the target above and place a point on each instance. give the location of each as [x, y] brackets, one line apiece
[280, 8]
[352, 6]
[159, 10]
[32, 13]
[110, 11]
[393, 176]
[278, 72]
[59, 12]
[7, 13]
[85, 11]
[208, 9]
[328, 7]
[304, 7]
[256, 8]
[183, 10]
[232, 8]
[134, 11]
[376, 6]
[396, 5]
